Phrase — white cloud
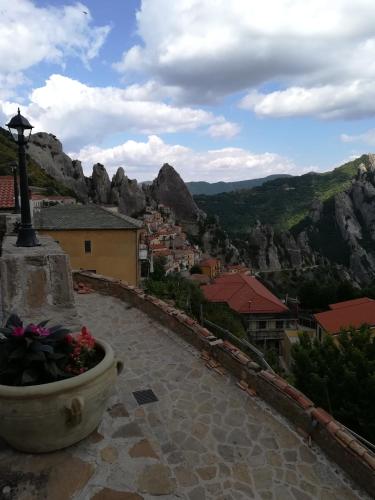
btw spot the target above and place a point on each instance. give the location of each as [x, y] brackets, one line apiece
[79, 114]
[207, 49]
[224, 129]
[30, 34]
[367, 137]
[353, 100]
[142, 160]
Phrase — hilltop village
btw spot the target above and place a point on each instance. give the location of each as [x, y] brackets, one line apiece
[147, 255]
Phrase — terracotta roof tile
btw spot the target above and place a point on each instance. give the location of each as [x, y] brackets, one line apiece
[244, 294]
[6, 191]
[349, 303]
[349, 315]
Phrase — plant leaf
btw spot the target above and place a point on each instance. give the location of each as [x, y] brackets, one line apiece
[38, 346]
[29, 376]
[36, 356]
[43, 323]
[13, 320]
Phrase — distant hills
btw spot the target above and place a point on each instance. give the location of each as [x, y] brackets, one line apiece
[282, 202]
[208, 188]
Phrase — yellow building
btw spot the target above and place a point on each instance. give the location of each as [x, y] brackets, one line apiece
[210, 267]
[95, 239]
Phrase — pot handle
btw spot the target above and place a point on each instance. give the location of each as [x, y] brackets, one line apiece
[119, 366]
[74, 411]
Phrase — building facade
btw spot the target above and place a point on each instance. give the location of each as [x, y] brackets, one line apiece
[95, 239]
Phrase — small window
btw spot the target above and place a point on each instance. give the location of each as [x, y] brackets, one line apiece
[279, 324]
[87, 246]
[262, 325]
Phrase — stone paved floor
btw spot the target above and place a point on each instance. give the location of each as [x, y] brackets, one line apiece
[203, 439]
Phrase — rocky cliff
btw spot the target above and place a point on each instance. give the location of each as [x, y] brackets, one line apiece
[339, 231]
[170, 190]
[46, 150]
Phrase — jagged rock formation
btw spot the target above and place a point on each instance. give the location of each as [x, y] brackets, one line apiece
[47, 151]
[100, 188]
[337, 232]
[355, 217]
[214, 241]
[170, 190]
[127, 194]
[268, 250]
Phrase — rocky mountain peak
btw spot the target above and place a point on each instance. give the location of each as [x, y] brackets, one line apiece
[170, 190]
[47, 151]
[100, 184]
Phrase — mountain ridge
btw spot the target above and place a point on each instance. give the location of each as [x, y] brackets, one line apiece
[281, 203]
[211, 188]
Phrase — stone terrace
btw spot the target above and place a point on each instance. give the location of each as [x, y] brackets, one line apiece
[204, 438]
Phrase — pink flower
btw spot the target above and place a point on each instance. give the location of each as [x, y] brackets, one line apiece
[18, 331]
[39, 330]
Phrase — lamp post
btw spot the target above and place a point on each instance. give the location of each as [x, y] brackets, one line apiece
[17, 127]
[15, 189]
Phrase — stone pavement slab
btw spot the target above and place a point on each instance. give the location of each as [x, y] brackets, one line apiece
[203, 439]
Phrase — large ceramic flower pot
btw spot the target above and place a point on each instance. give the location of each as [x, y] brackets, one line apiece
[49, 417]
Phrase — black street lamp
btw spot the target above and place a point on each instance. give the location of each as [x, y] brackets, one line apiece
[15, 190]
[17, 127]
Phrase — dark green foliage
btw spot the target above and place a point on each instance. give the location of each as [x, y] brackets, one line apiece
[185, 294]
[196, 269]
[33, 354]
[317, 296]
[340, 377]
[36, 175]
[222, 315]
[159, 268]
[283, 203]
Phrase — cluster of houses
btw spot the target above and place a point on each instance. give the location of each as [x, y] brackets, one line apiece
[103, 241]
[162, 237]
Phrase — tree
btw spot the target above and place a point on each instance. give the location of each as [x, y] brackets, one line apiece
[159, 268]
[339, 375]
[196, 269]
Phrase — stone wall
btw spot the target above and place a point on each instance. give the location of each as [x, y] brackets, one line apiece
[36, 282]
[330, 435]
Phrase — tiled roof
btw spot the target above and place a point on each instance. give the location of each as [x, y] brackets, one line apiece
[6, 191]
[63, 217]
[348, 315]
[244, 294]
[350, 303]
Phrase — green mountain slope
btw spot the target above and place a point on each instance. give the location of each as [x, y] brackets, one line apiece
[202, 187]
[283, 203]
[37, 176]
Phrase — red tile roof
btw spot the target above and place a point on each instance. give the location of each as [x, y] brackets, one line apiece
[244, 294]
[345, 314]
[349, 303]
[6, 191]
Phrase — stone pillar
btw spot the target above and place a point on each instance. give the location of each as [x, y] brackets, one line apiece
[36, 282]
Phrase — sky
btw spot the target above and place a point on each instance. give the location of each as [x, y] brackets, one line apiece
[223, 91]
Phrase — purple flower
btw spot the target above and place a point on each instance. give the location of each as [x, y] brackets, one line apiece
[18, 331]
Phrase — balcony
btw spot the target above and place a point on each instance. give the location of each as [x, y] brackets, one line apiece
[259, 335]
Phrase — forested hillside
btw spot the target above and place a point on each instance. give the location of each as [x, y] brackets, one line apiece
[209, 188]
[283, 202]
